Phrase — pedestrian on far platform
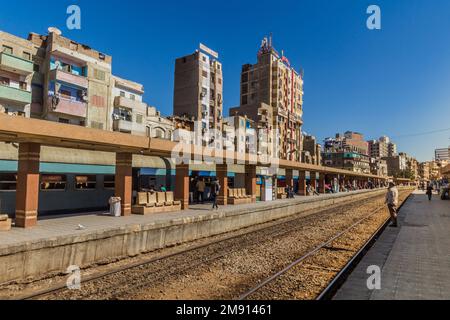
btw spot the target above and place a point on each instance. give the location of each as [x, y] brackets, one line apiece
[430, 192]
[392, 203]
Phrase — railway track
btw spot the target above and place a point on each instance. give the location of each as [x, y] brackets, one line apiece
[105, 285]
[331, 289]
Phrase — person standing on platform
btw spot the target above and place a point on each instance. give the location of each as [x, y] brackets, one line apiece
[392, 203]
[200, 190]
[215, 190]
[430, 192]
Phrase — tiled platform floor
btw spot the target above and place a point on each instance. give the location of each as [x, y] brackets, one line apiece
[414, 259]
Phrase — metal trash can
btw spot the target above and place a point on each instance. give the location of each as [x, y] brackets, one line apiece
[115, 207]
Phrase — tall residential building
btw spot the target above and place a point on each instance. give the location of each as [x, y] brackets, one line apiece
[383, 147]
[348, 151]
[16, 74]
[442, 154]
[198, 92]
[274, 82]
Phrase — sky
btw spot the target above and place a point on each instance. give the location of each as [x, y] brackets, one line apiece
[394, 81]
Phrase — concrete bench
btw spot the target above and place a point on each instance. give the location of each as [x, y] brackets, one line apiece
[155, 202]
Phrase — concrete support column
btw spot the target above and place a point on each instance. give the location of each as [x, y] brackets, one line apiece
[250, 181]
[124, 181]
[182, 185]
[222, 177]
[27, 194]
[302, 183]
[313, 180]
[290, 178]
[321, 183]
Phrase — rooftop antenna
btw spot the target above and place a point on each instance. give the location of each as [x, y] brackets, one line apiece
[270, 40]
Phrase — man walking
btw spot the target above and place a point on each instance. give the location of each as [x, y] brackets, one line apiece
[430, 192]
[215, 190]
[392, 203]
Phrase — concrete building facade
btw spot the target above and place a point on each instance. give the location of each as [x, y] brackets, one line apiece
[198, 91]
[274, 82]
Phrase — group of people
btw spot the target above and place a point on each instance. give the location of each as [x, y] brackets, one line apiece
[199, 190]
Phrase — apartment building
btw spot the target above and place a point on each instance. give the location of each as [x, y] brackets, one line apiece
[198, 91]
[262, 117]
[348, 151]
[312, 151]
[383, 147]
[159, 126]
[378, 167]
[130, 112]
[16, 74]
[274, 82]
[397, 164]
[424, 171]
[245, 134]
[442, 154]
[76, 82]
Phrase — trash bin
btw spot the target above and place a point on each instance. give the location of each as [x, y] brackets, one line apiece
[115, 208]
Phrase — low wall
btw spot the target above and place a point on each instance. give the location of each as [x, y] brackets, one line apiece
[33, 260]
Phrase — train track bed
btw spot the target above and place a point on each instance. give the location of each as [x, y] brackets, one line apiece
[226, 267]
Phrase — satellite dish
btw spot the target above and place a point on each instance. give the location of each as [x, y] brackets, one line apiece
[54, 30]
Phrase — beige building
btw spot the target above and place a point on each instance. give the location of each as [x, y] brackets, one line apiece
[76, 86]
[312, 151]
[198, 91]
[274, 82]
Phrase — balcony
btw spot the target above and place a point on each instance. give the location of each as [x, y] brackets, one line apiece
[127, 126]
[130, 104]
[68, 107]
[16, 65]
[69, 78]
[15, 95]
[123, 125]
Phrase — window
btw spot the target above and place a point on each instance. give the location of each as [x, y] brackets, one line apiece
[219, 80]
[132, 97]
[53, 182]
[139, 118]
[36, 68]
[8, 181]
[26, 55]
[65, 93]
[85, 182]
[96, 125]
[99, 75]
[7, 50]
[23, 85]
[62, 120]
[109, 182]
[122, 94]
[4, 81]
[244, 100]
[205, 74]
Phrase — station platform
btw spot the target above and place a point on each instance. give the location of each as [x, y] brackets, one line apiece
[414, 259]
[54, 244]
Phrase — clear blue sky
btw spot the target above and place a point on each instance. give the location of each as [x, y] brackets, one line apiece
[391, 82]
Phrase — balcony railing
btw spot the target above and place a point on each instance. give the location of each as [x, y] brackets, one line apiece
[69, 78]
[126, 126]
[15, 64]
[68, 107]
[15, 95]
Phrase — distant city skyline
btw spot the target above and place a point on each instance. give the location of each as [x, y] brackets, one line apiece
[390, 82]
